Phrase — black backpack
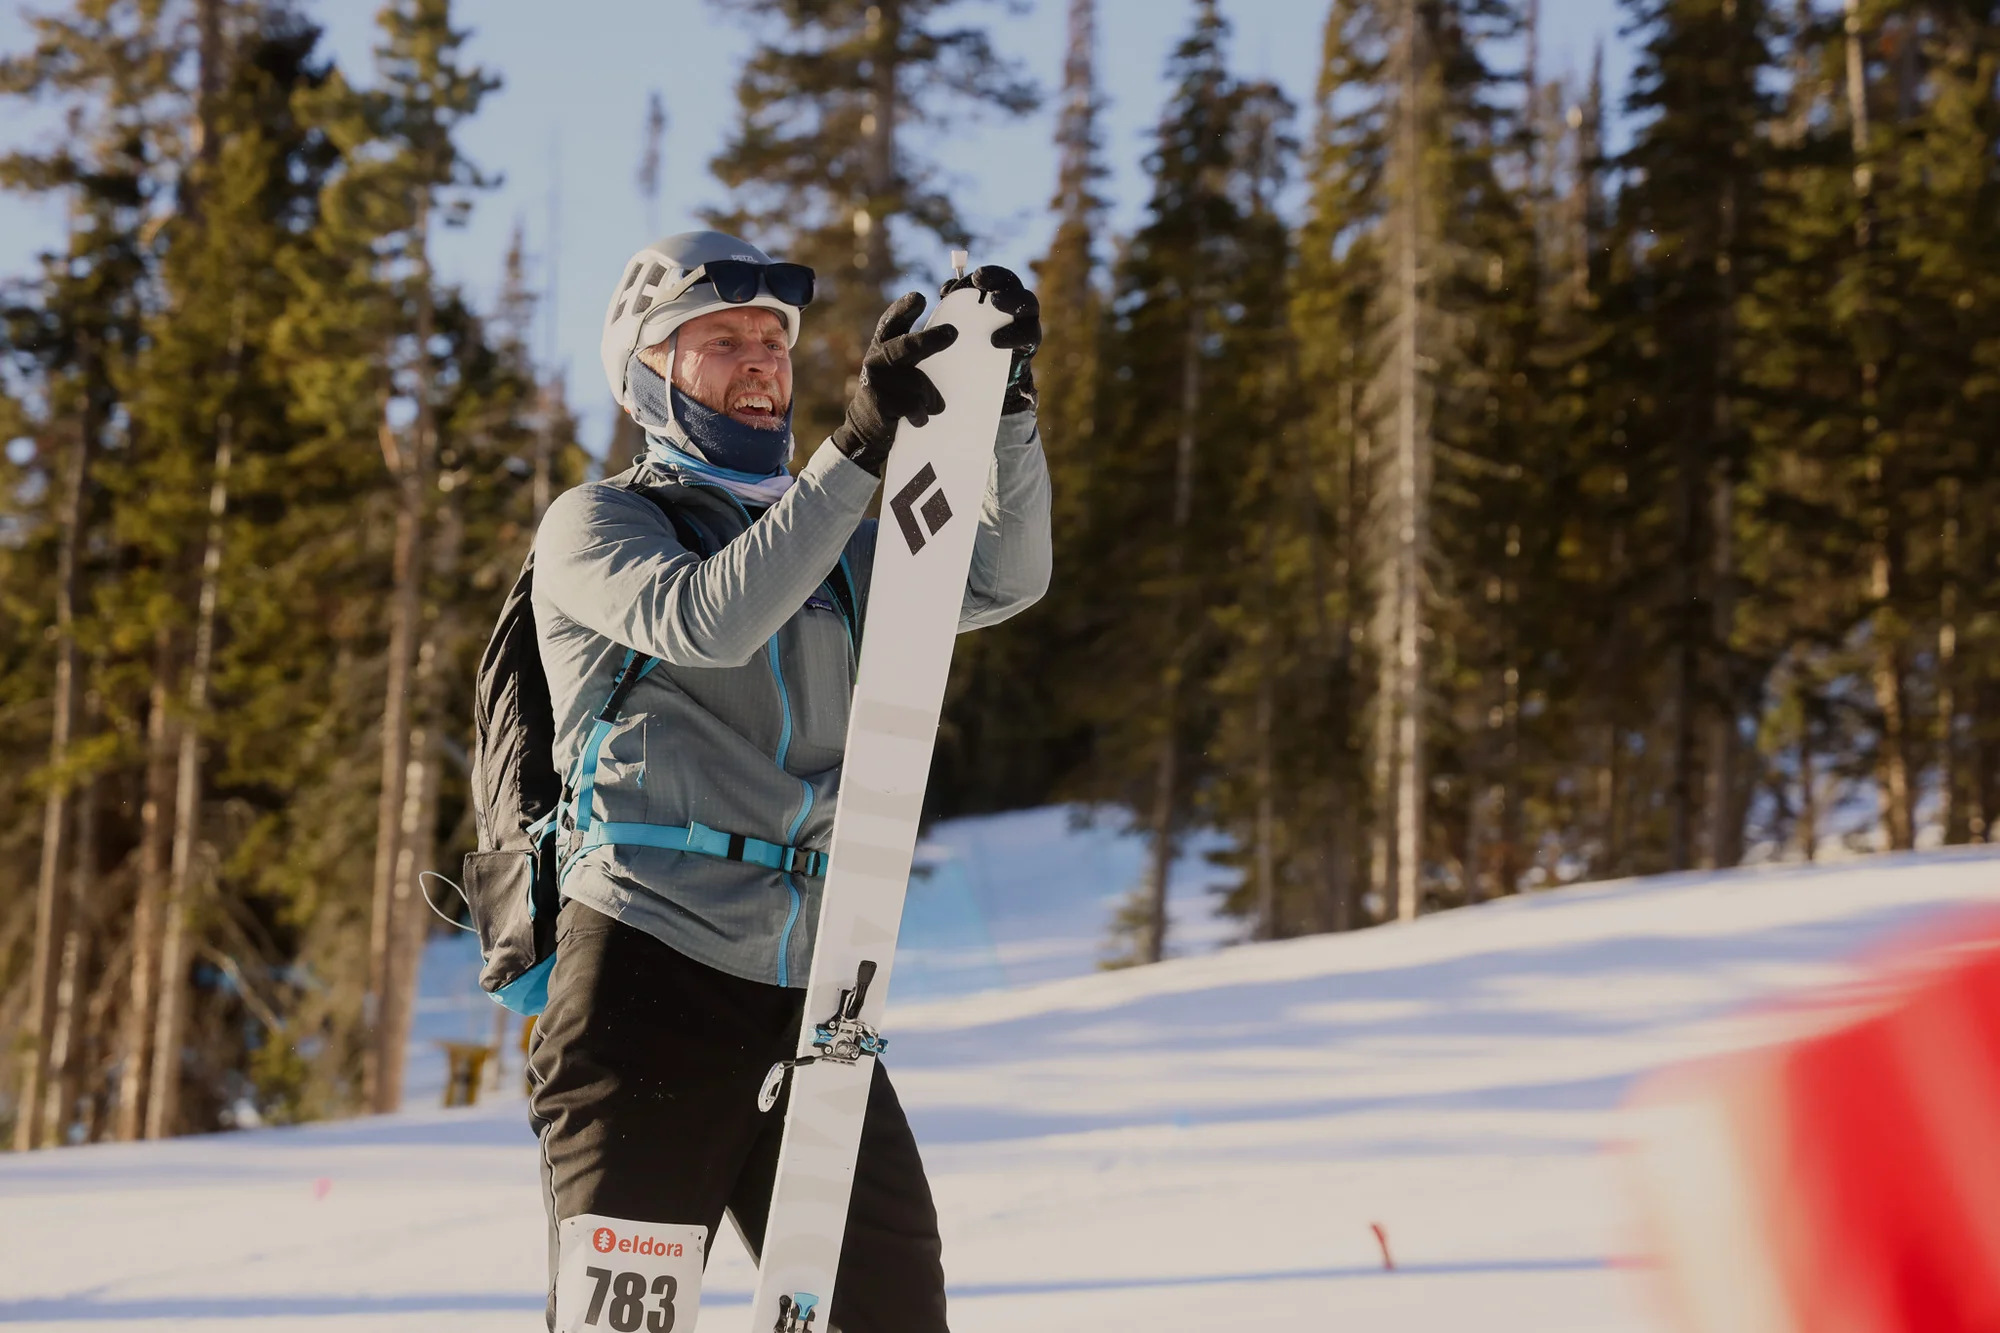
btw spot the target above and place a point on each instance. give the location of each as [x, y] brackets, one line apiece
[512, 883]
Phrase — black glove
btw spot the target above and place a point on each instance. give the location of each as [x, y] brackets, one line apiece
[1023, 333]
[892, 389]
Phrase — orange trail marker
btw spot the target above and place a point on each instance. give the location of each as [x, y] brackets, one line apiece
[1382, 1239]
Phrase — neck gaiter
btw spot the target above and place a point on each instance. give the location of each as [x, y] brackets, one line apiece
[716, 437]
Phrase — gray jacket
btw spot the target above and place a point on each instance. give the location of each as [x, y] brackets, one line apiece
[742, 725]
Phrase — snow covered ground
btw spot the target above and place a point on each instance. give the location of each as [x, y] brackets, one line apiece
[997, 902]
[1197, 1146]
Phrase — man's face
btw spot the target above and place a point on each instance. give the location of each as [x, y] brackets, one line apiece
[733, 361]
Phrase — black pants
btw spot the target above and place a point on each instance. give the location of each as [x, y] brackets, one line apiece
[646, 1067]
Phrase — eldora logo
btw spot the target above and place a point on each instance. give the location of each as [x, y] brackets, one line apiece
[604, 1240]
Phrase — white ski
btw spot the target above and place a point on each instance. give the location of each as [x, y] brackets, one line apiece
[932, 491]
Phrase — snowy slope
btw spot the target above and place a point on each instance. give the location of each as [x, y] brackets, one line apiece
[1200, 1145]
[997, 901]
[1010, 900]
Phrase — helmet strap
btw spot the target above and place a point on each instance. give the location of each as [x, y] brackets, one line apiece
[673, 368]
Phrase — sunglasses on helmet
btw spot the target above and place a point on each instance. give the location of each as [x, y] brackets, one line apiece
[736, 281]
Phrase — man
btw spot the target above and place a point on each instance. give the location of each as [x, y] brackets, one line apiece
[679, 974]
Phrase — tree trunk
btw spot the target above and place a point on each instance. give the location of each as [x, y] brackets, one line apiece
[1333, 637]
[1509, 869]
[1724, 826]
[1975, 699]
[1725, 822]
[1409, 765]
[1382, 766]
[49, 900]
[1267, 834]
[67, 1059]
[142, 1001]
[1382, 725]
[1985, 760]
[94, 1108]
[1338, 871]
[1886, 670]
[163, 1106]
[1342, 845]
[1160, 854]
[1951, 810]
[1475, 844]
[414, 484]
[161, 949]
[1886, 676]
[1267, 669]
[154, 1009]
[1808, 783]
[1687, 663]
[411, 918]
[1614, 803]
[503, 1023]
[418, 850]
[545, 451]
[1166, 791]
[207, 138]
[395, 745]
[1412, 477]
[871, 227]
[1857, 111]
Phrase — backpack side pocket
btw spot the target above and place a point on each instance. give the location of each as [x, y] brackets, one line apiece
[500, 892]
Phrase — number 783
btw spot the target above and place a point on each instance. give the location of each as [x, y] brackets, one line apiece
[627, 1293]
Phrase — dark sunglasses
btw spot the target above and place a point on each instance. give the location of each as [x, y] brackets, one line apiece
[737, 280]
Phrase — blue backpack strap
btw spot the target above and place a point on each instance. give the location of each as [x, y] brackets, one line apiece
[692, 837]
[705, 841]
[630, 673]
[688, 531]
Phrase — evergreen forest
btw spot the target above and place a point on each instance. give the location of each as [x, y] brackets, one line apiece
[1464, 486]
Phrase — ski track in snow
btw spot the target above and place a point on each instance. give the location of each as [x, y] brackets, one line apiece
[1201, 1145]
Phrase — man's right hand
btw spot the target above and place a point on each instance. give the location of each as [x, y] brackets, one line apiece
[892, 388]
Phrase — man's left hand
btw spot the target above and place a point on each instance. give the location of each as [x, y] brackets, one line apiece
[1022, 333]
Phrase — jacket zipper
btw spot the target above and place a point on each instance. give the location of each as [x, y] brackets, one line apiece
[805, 788]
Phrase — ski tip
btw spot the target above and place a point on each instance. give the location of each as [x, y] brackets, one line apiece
[959, 259]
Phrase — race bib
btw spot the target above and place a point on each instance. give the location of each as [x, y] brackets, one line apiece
[615, 1276]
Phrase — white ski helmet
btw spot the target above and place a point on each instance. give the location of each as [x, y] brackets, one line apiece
[655, 294]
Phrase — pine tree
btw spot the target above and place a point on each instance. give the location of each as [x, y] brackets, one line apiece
[1871, 415]
[1010, 737]
[1579, 746]
[628, 441]
[1693, 210]
[199, 339]
[1336, 335]
[411, 178]
[650, 163]
[1403, 391]
[823, 172]
[1950, 236]
[1413, 310]
[1167, 449]
[1261, 666]
[108, 66]
[213, 412]
[236, 314]
[1067, 276]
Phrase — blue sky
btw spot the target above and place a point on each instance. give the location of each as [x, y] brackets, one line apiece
[565, 131]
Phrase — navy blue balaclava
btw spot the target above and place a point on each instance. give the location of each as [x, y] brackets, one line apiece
[717, 437]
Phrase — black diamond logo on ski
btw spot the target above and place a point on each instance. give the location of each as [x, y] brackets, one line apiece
[934, 514]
